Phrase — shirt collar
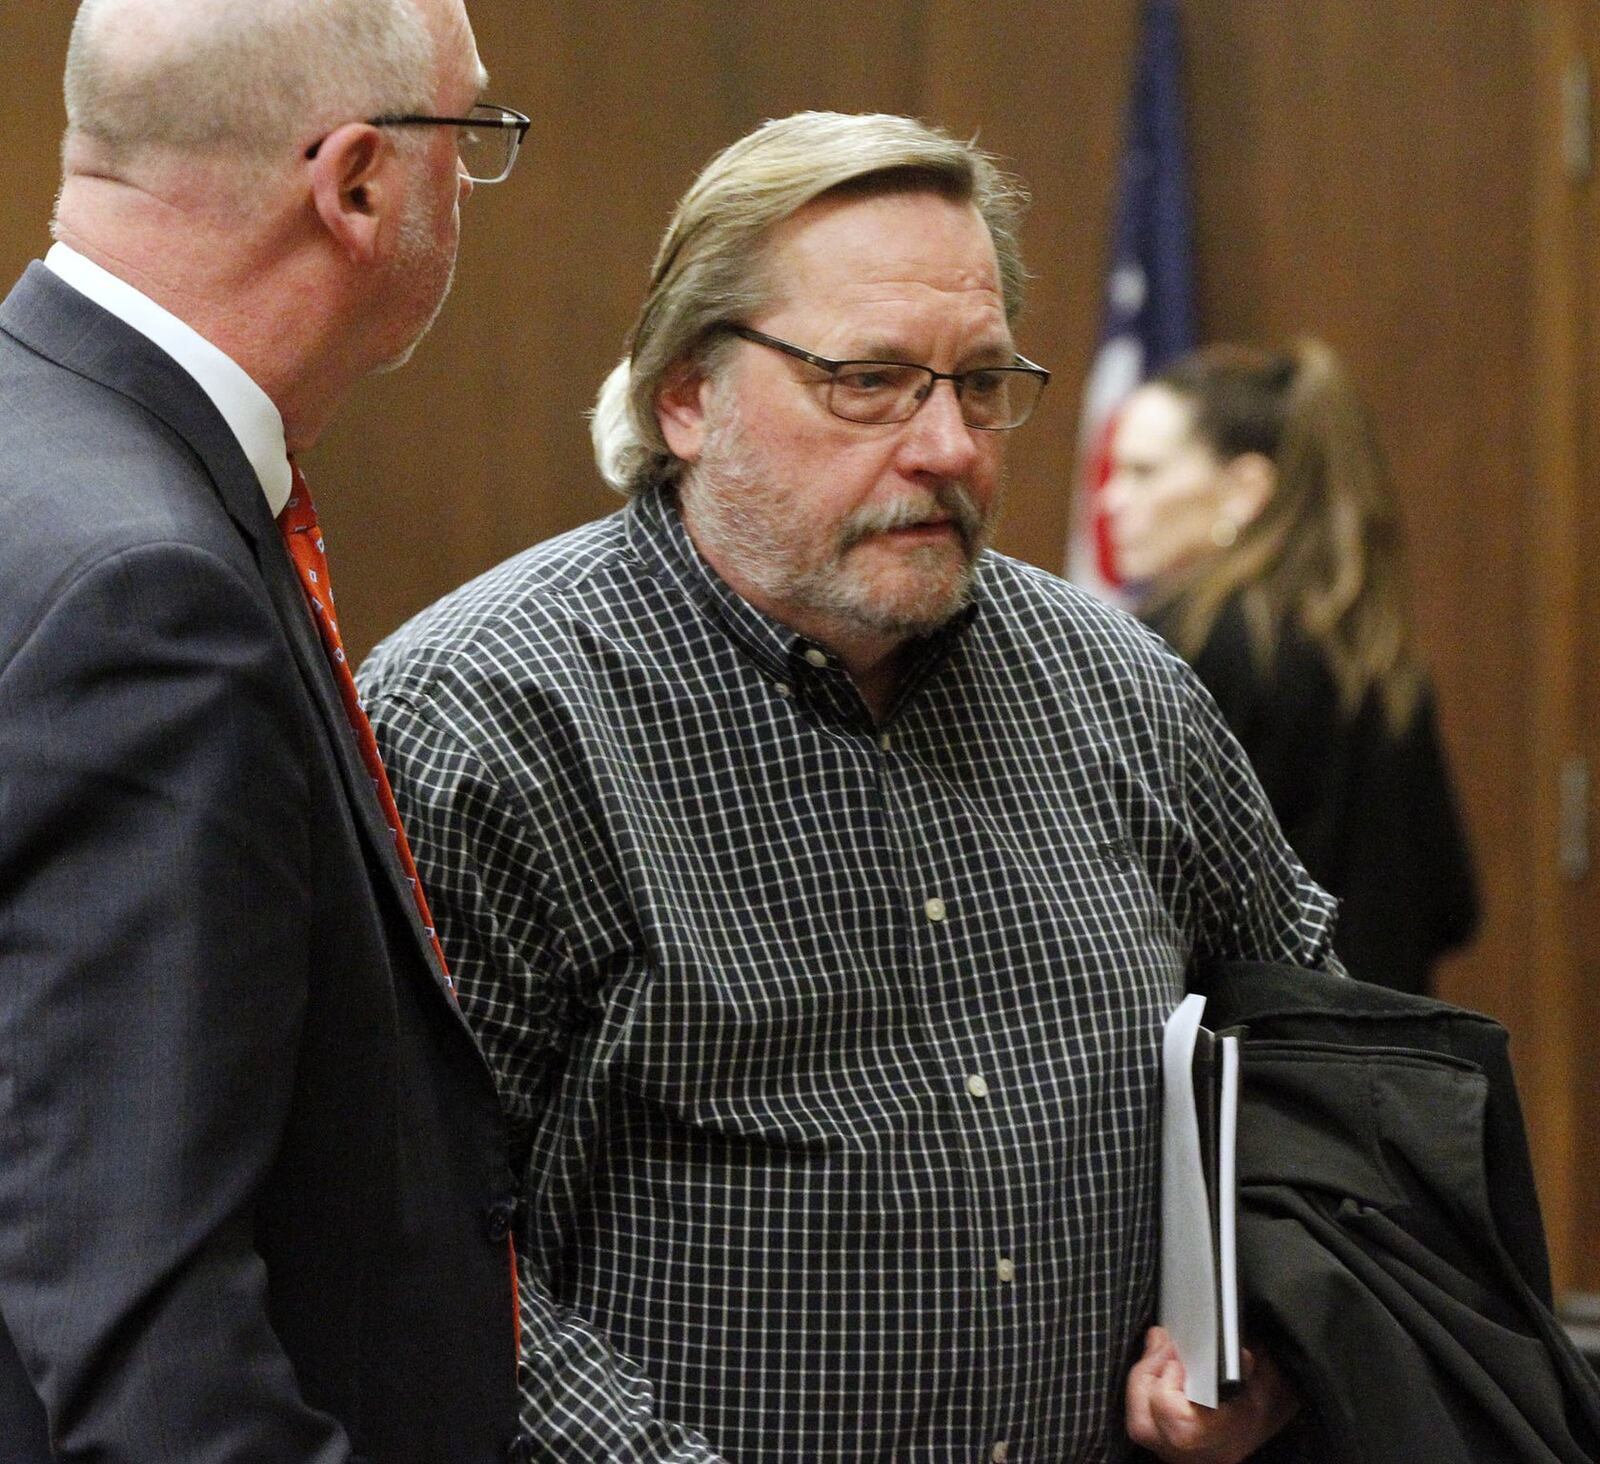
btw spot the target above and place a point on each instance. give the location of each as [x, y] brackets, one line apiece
[657, 530]
[249, 412]
[657, 533]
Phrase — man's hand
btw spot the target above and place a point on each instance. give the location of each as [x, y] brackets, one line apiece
[1162, 1420]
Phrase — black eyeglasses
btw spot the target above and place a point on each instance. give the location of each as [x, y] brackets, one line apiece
[488, 139]
[991, 398]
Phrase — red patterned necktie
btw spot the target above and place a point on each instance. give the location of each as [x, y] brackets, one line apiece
[303, 539]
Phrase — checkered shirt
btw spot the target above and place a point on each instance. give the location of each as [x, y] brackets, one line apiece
[830, 1049]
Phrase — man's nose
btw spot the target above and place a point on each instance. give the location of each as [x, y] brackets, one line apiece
[939, 439]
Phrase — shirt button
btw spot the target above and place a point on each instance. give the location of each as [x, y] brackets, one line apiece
[884, 739]
[977, 1087]
[816, 657]
[497, 1219]
[1000, 1452]
[934, 909]
[1005, 1269]
[784, 689]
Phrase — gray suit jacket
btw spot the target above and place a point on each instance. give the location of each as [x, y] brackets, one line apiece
[253, 1202]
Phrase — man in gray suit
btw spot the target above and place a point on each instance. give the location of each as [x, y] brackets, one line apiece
[253, 1203]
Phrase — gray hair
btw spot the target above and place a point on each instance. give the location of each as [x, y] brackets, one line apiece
[711, 267]
[245, 78]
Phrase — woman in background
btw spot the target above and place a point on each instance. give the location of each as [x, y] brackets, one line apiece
[1250, 508]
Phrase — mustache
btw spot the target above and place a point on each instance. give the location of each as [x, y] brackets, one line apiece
[949, 500]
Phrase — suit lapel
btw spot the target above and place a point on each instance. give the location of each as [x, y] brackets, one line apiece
[51, 318]
[288, 599]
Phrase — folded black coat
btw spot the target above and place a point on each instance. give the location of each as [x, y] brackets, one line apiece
[1392, 1256]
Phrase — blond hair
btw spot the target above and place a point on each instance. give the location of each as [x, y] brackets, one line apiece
[1325, 555]
[711, 267]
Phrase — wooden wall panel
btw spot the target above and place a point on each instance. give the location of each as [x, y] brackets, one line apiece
[33, 40]
[1570, 227]
[1367, 172]
[1551, 544]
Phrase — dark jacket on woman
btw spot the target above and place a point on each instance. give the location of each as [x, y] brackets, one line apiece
[1372, 815]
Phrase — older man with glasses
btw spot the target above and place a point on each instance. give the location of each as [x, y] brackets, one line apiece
[254, 1203]
[818, 879]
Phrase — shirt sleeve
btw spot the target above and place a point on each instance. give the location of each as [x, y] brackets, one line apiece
[487, 875]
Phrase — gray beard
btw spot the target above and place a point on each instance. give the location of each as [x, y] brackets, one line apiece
[733, 510]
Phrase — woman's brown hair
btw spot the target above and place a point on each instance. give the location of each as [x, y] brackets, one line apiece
[1325, 553]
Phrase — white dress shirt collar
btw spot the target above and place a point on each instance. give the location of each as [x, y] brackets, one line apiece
[247, 410]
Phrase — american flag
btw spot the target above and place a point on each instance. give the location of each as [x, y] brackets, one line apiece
[1148, 311]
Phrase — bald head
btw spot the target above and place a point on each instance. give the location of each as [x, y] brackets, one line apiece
[189, 172]
[247, 80]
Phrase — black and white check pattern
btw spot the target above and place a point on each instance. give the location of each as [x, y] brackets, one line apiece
[832, 1048]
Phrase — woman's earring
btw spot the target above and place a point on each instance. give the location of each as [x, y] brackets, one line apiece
[1224, 532]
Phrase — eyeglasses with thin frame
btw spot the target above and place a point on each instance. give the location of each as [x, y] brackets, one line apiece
[991, 398]
[488, 137]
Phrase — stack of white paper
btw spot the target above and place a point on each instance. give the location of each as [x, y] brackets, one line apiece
[1199, 1266]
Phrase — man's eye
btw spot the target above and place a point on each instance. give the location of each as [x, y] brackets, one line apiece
[983, 383]
[868, 379]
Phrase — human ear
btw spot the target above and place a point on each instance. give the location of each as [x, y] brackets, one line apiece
[681, 410]
[1248, 483]
[350, 187]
